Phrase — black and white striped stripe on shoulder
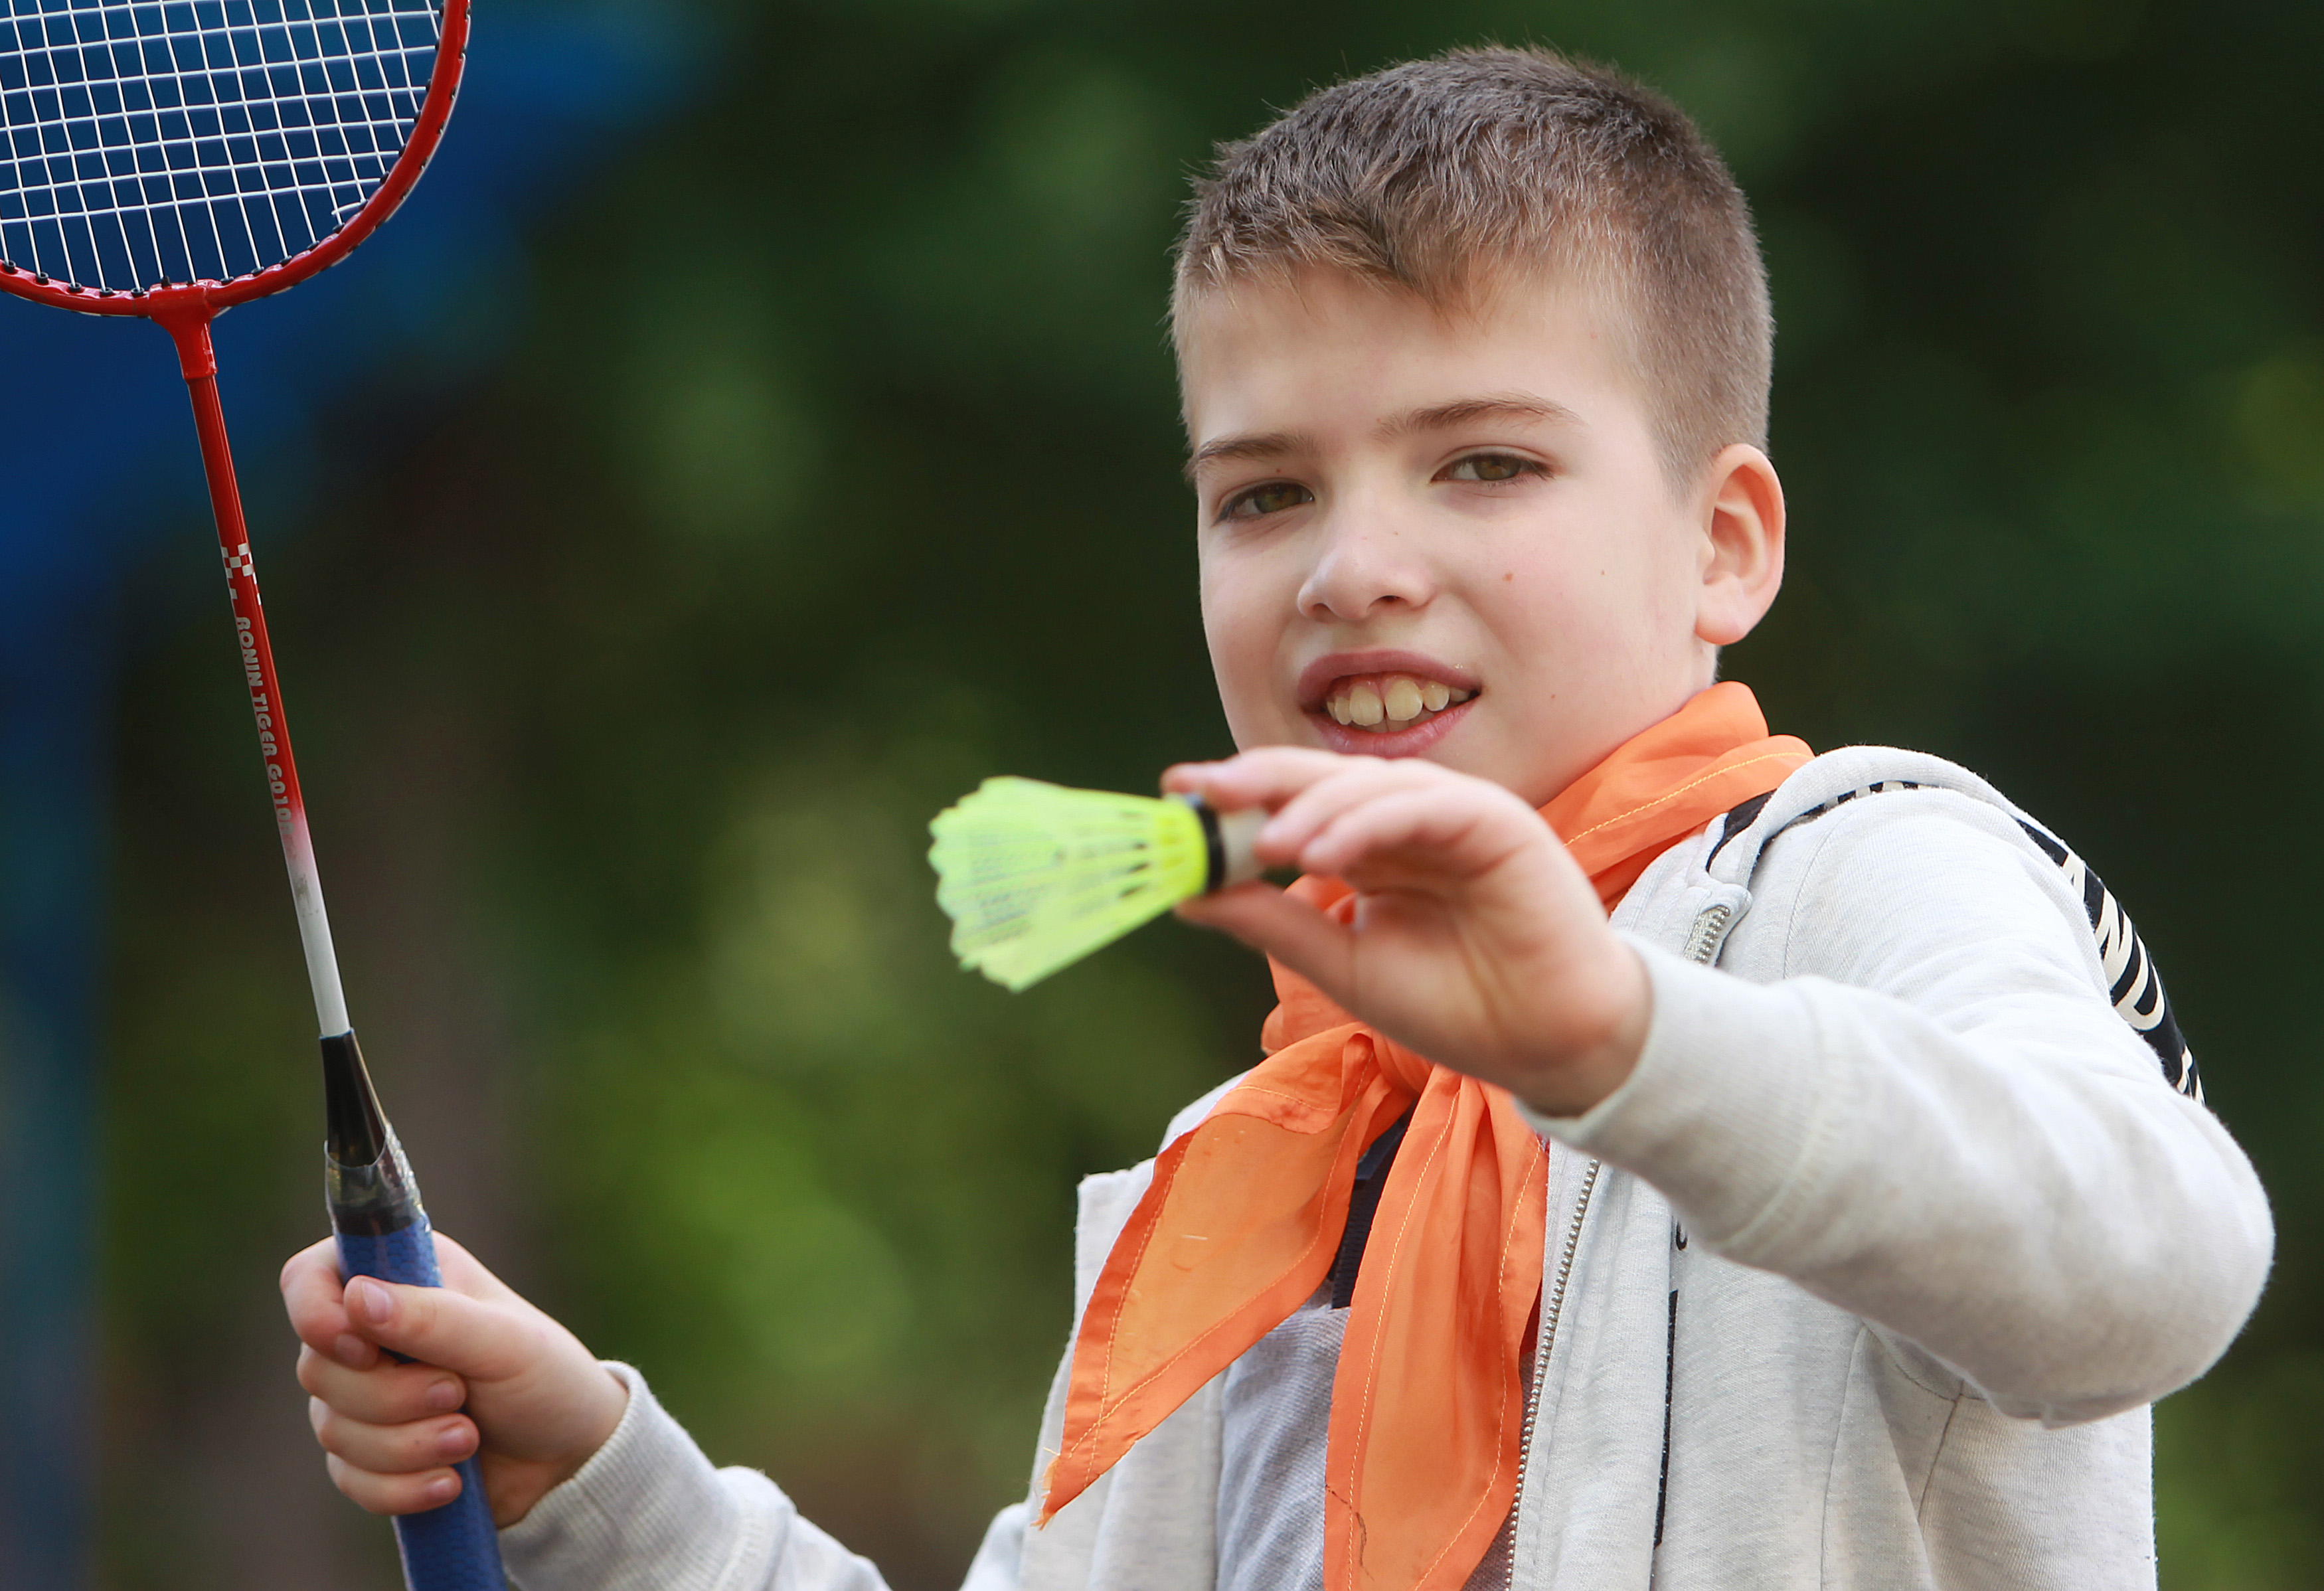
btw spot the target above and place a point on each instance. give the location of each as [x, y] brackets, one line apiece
[2135, 987]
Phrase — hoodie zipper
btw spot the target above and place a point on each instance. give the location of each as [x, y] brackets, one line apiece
[1709, 928]
[1703, 943]
[1553, 1300]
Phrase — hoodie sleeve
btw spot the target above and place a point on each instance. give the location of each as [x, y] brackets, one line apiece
[649, 1513]
[1933, 1117]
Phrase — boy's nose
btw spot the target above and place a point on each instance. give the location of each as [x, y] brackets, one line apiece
[1363, 570]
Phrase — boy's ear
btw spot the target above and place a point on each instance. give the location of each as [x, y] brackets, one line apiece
[1742, 554]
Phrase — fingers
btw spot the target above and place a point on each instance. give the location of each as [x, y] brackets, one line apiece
[1384, 825]
[1303, 790]
[410, 1448]
[477, 1338]
[394, 1494]
[314, 1298]
[346, 1325]
[1332, 822]
[488, 1374]
[465, 1273]
[390, 1432]
[1330, 812]
[1267, 919]
[1267, 777]
[311, 1296]
[386, 1393]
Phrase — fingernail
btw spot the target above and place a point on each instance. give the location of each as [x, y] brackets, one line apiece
[443, 1396]
[440, 1492]
[454, 1442]
[351, 1350]
[373, 1302]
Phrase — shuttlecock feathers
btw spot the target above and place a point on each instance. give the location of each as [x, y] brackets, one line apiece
[1035, 876]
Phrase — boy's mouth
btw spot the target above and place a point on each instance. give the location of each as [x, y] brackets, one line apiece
[1381, 703]
[1385, 703]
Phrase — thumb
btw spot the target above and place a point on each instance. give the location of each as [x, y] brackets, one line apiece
[472, 1339]
[1276, 923]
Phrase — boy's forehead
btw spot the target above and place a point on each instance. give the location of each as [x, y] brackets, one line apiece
[1329, 348]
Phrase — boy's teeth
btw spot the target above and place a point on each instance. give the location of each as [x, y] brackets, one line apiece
[1386, 702]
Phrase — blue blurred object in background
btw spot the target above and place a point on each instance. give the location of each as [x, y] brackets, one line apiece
[99, 456]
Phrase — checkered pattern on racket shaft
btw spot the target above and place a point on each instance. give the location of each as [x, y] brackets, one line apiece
[150, 141]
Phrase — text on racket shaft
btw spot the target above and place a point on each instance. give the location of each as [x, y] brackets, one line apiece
[262, 709]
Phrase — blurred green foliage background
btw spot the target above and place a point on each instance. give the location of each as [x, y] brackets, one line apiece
[835, 467]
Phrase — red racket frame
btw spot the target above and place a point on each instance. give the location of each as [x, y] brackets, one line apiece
[185, 310]
[205, 301]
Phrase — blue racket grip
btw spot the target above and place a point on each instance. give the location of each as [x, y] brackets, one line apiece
[457, 1547]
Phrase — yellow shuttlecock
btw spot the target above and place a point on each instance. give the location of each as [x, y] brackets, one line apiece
[1035, 876]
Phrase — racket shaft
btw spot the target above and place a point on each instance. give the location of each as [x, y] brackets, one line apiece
[198, 363]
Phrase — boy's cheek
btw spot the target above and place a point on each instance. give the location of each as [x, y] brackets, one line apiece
[1254, 719]
[1243, 648]
[1254, 685]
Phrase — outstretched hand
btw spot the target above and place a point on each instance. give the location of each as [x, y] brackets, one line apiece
[1476, 942]
[490, 1375]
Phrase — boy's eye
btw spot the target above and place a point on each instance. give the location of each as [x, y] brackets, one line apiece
[1273, 497]
[1489, 467]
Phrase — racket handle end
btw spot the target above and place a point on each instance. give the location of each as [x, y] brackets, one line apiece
[457, 1547]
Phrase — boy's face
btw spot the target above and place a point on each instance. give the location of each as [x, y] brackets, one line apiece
[1449, 536]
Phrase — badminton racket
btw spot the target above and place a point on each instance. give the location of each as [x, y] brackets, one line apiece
[172, 159]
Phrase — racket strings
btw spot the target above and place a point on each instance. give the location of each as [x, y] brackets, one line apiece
[144, 141]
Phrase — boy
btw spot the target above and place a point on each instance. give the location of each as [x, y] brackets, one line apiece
[1830, 1216]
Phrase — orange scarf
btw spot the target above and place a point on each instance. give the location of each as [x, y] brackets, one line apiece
[1245, 1214]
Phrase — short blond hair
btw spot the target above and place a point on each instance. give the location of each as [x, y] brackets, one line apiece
[1438, 176]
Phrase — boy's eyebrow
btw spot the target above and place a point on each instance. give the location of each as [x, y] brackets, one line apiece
[1465, 410]
[1264, 445]
[1257, 445]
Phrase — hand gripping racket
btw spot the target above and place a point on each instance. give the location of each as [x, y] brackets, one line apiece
[172, 159]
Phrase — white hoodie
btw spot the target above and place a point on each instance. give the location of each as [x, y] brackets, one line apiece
[1864, 1278]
